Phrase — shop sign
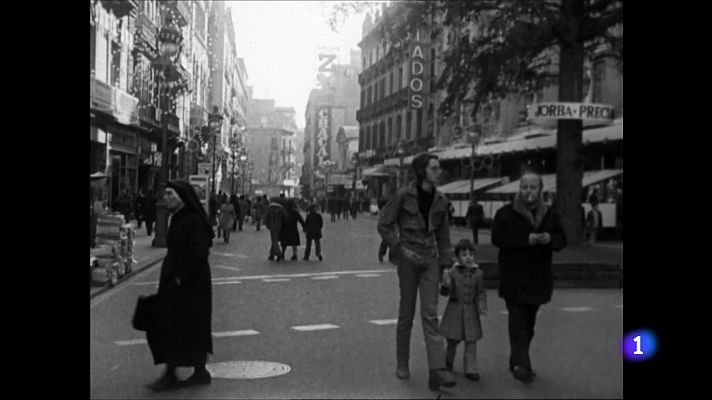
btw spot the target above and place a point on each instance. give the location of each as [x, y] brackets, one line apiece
[157, 158]
[416, 76]
[542, 112]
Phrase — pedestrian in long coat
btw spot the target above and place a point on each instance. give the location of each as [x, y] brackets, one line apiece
[290, 233]
[468, 299]
[181, 334]
[236, 204]
[475, 217]
[227, 219]
[149, 211]
[312, 230]
[139, 205]
[527, 232]
[241, 212]
[274, 219]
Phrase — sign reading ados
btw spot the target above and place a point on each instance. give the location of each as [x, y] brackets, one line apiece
[416, 77]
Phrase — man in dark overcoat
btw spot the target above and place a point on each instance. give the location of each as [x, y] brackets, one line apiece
[181, 335]
[526, 232]
[475, 216]
[274, 220]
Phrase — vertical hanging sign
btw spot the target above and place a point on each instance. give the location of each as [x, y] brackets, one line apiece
[322, 136]
[417, 68]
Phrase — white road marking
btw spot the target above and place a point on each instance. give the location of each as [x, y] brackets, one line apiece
[384, 321]
[368, 275]
[226, 283]
[224, 254]
[246, 332]
[276, 280]
[114, 368]
[576, 309]
[505, 312]
[226, 267]
[314, 327]
[298, 275]
[619, 306]
[130, 342]
[321, 278]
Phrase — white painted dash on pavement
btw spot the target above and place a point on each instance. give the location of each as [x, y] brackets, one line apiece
[277, 280]
[224, 254]
[130, 342]
[227, 267]
[246, 332]
[505, 312]
[321, 278]
[368, 275]
[619, 306]
[314, 327]
[384, 321]
[576, 309]
[226, 283]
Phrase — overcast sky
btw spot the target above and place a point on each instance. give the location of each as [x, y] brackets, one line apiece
[279, 41]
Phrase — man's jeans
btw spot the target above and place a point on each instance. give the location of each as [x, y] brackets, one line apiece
[423, 277]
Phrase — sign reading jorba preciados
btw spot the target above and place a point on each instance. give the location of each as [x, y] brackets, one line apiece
[582, 111]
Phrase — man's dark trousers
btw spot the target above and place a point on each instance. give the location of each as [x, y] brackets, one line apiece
[423, 277]
[475, 234]
[275, 250]
[317, 243]
[522, 318]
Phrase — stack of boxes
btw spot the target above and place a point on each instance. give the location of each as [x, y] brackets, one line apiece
[113, 255]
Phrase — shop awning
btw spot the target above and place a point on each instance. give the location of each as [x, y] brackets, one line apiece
[589, 178]
[376, 170]
[463, 186]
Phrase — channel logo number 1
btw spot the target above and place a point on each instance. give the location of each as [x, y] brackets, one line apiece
[639, 345]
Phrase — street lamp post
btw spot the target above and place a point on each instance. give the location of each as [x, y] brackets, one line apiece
[401, 154]
[243, 160]
[170, 40]
[474, 139]
[215, 119]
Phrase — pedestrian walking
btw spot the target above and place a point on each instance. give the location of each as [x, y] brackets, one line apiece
[241, 212]
[382, 250]
[345, 208]
[250, 211]
[312, 230]
[594, 220]
[213, 207]
[323, 205]
[139, 205]
[290, 233]
[227, 219]
[149, 212]
[219, 201]
[259, 210]
[181, 334]
[331, 206]
[527, 232]
[420, 247]
[354, 208]
[475, 217]
[274, 219]
[124, 202]
[467, 301]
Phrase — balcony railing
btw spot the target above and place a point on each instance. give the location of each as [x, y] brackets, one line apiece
[121, 8]
[146, 30]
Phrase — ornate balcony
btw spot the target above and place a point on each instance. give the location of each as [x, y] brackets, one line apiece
[121, 8]
[145, 33]
[181, 10]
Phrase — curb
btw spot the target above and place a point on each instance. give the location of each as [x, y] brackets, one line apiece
[127, 276]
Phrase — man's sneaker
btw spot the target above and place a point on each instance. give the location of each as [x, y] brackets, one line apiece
[320, 258]
[441, 377]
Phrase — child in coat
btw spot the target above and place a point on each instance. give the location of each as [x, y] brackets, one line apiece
[468, 300]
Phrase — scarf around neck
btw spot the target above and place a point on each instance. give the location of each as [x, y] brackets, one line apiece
[540, 211]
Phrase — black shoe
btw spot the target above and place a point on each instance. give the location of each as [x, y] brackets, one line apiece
[320, 258]
[294, 258]
[166, 382]
[522, 374]
[271, 258]
[305, 258]
[197, 379]
[473, 376]
[380, 257]
[440, 377]
[448, 366]
[402, 371]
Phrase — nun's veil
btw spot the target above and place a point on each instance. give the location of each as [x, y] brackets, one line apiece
[190, 198]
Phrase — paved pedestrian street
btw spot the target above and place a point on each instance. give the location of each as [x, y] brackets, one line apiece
[314, 329]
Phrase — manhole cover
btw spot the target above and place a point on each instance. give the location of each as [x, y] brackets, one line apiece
[247, 369]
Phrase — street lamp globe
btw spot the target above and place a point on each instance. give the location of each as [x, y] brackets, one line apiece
[170, 39]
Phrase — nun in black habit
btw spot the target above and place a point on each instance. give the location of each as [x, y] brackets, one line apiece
[181, 335]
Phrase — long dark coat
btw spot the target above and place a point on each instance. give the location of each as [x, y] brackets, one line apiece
[182, 334]
[524, 270]
[289, 235]
[149, 208]
[313, 225]
[461, 320]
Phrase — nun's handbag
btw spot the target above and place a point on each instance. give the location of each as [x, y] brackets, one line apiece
[145, 313]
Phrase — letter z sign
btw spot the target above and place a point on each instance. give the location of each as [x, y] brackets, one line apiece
[326, 65]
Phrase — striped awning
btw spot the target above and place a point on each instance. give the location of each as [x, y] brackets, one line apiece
[589, 178]
[463, 186]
